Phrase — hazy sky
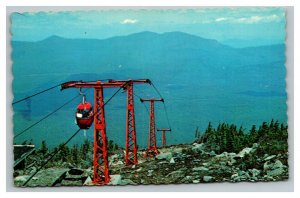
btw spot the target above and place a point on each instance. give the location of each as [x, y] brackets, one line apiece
[217, 23]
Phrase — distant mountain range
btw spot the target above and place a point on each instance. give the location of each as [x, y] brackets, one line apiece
[201, 79]
[177, 55]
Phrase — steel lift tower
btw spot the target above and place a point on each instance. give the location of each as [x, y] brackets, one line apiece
[152, 149]
[131, 146]
[101, 168]
[163, 137]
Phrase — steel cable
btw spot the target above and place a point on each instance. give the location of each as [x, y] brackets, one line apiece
[48, 115]
[51, 157]
[35, 94]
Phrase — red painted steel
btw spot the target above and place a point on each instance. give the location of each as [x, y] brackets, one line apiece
[152, 148]
[101, 167]
[163, 138]
[100, 163]
[131, 145]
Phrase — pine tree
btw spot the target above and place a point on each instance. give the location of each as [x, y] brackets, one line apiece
[44, 148]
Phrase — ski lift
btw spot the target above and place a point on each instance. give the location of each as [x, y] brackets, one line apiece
[84, 114]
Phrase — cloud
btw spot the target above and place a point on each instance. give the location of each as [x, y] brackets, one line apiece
[257, 19]
[221, 19]
[129, 21]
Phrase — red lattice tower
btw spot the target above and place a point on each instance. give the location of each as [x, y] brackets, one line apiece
[131, 145]
[100, 162]
[152, 149]
[163, 137]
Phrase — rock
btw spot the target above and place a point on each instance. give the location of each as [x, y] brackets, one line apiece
[205, 164]
[150, 173]
[254, 146]
[196, 181]
[178, 150]
[166, 156]
[269, 158]
[49, 177]
[243, 175]
[176, 174]
[120, 163]
[198, 147]
[71, 183]
[88, 182]
[113, 157]
[212, 153]
[127, 182]
[208, 179]
[235, 177]
[240, 176]
[274, 169]
[139, 170]
[244, 152]
[115, 180]
[254, 172]
[200, 169]
[21, 179]
[172, 161]
[133, 167]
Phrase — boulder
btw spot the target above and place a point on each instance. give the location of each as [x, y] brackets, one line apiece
[178, 150]
[235, 177]
[139, 170]
[150, 173]
[240, 176]
[247, 150]
[208, 179]
[274, 169]
[113, 157]
[201, 168]
[127, 182]
[196, 181]
[88, 182]
[115, 180]
[120, 163]
[198, 147]
[243, 152]
[21, 179]
[165, 156]
[176, 174]
[172, 161]
[269, 157]
[254, 172]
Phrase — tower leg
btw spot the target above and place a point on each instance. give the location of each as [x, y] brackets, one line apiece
[131, 147]
[163, 138]
[152, 149]
[100, 163]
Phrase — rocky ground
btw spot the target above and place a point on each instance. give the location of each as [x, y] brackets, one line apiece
[177, 164]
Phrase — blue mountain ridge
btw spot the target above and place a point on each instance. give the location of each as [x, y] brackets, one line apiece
[201, 79]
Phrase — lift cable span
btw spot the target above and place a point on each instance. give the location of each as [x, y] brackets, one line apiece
[142, 102]
[38, 93]
[43, 91]
[48, 115]
[165, 106]
[46, 162]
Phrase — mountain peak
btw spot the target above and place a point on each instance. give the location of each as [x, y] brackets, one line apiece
[53, 38]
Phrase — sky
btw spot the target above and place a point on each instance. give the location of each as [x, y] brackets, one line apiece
[261, 25]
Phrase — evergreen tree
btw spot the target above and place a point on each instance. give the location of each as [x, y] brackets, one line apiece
[44, 148]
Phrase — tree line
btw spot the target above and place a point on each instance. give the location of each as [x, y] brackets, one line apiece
[79, 156]
[272, 137]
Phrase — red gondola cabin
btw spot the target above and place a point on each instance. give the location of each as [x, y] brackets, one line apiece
[84, 115]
